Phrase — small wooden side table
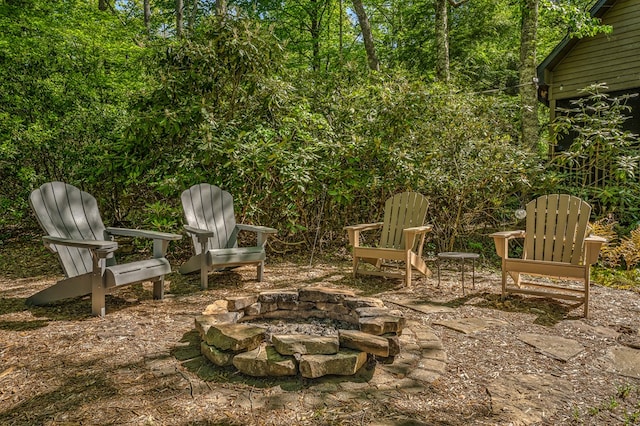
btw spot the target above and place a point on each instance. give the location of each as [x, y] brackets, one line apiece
[461, 257]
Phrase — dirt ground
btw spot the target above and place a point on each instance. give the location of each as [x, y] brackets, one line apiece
[139, 364]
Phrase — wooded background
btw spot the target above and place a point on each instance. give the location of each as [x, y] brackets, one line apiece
[310, 112]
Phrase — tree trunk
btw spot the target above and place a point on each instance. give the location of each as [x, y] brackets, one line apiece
[221, 8]
[442, 41]
[147, 16]
[340, 43]
[528, 89]
[179, 17]
[367, 36]
[314, 31]
[103, 5]
[193, 16]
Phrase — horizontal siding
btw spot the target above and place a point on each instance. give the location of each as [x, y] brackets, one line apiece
[620, 10]
[597, 72]
[607, 52]
[606, 58]
[603, 43]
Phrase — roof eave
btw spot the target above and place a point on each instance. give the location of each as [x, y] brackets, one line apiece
[561, 50]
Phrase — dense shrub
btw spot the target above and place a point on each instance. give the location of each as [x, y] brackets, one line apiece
[66, 74]
[305, 153]
[601, 164]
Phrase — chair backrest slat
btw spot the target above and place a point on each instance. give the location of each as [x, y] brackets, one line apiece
[582, 228]
[209, 207]
[556, 227]
[404, 210]
[564, 228]
[67, 212]
[553, 226]
[541, 222]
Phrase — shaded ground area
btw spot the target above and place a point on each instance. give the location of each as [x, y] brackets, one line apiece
[517, 361]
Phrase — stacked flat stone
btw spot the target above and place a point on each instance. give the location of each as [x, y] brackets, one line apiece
[229, 338]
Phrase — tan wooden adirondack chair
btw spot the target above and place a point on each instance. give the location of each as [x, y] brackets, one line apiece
[556, 245]
[402, 239]
[85, 248]
[214, 232]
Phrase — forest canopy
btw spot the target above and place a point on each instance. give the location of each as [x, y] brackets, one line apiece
[311, 113]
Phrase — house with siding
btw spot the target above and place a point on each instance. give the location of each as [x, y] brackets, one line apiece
[612, 59]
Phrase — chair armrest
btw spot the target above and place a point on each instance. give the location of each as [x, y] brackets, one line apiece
[124, 232]
[501, 240]
[592, 245]
[418, 229]
[364, 226]
[198, 232]
[354, 231]
[596, 239]
[410, 235]
[262, 232]
[257, 228]
[508, 234]
[105, 246]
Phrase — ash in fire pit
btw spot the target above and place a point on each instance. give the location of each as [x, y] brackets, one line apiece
[340, 332]
[314, 327]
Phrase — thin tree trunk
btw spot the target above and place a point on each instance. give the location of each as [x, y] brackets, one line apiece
[443, 68]
[340, 43]
[367, 35]
[179, 17]
[103, 5]
[314, 31]
[194, 14]
[221, 8]
[529, 90]
[442, 41]
[147, 16]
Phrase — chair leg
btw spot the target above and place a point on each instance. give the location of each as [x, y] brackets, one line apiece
[356, 261]
[260, 271]
[408, 268]
[97, 296]
[158, 288]
[204, 273]
[587, 284]
[504, 281]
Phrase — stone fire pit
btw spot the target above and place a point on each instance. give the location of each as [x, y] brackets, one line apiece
[231, 337]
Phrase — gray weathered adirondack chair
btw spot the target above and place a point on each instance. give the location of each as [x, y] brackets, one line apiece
[211, 223]
[85, 248]
[402, 239]
[556, 244]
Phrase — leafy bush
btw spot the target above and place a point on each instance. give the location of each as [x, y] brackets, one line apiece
[66, 72]
[602, 162]
[304, 152]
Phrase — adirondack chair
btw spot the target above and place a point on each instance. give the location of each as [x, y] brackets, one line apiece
[556, 245]
[214, 232]
[86, 248]
[402, 239]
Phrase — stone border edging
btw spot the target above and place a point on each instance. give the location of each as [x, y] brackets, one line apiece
[227, 340]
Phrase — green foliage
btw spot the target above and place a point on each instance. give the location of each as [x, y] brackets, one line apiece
[395, 133]
[65, 73]
[574, 17]
[472, 166]
[309, 153]
[281, 113]
[484, 44]
[602, 162]
[207, 88]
